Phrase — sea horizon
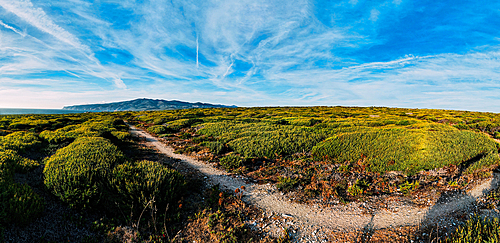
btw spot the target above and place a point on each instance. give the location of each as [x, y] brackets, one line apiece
[38, 111]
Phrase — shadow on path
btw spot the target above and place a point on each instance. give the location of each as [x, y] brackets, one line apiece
[451, 210]
[368, 231]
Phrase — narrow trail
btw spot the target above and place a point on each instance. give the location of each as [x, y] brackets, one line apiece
[340, 217]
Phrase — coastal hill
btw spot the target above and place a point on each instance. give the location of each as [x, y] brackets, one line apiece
[144, 105]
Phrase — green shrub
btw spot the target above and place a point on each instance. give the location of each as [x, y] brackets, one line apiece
[53, 137]
[28, 123]
[409, 150]
[159, 121]
[286, 184]
[276, 143]
[91, 129]
[303, 121]
[354, 190]
[405, 122]
[185, 135]
[231, 161]
[60, 135]
[119, 124]
[121, 135]
[7, 166]
[215, 147]
[99, 127]
[183, 123]
[16, 162]
[78, 173]
[263, 139]
[277, 122]
[138, 183]
[19, 141]
[24, 165]
[476, 229]
[202, 140]
[18, 203]
[157, 129]
[407, 187]
[428, 138]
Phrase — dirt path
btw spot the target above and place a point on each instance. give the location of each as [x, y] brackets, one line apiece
[341, 217]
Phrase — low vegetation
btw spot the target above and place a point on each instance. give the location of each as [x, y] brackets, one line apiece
[409, 150]
[476, 229]
[18, 202]
[79, 173]
[91, 165]
[322, 154]
[143, 182]
[341, 154]
[336, 153]
[83, 166]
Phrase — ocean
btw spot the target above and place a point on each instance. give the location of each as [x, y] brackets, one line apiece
[18, 111]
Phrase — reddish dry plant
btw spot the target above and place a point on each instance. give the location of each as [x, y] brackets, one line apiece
[239, 193]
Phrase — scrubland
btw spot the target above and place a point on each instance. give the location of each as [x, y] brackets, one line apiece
[326, 155]
[340, 153]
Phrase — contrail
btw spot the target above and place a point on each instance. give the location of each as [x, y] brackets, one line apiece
[197, 49]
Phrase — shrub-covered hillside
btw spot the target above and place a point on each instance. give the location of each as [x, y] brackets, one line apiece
[83, 166]
[336, 152]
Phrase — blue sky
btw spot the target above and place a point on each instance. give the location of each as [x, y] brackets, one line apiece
[397, 53]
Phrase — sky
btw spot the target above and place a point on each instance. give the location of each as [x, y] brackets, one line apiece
[397, 53]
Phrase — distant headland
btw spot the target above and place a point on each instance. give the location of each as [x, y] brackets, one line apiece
[144, 105]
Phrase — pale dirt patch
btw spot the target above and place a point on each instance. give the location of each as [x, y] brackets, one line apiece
[313, 222]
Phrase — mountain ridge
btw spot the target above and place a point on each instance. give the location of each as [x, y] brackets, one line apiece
[144, 104]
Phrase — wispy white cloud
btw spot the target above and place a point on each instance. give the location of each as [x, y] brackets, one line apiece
[249, 52]
[438, 81]
[38, 18]
[44, 59]
[374, 15]
[12, 28]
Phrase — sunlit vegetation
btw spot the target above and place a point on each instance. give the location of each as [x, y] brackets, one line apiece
[409, 150]
[78, 173]
[83, 166]
[259, 140]
[335, 152]
[137, 183]
[476, 229]
[19, 141]
[327, 154]
[107, 127]
[342, 153]
[157, 129]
